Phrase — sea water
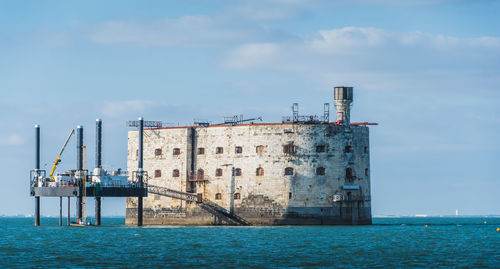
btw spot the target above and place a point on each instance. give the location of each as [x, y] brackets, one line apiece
[390, 242]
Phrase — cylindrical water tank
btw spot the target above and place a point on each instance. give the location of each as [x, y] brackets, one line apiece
[343, 93]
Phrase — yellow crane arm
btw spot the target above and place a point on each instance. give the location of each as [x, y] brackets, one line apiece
[58, 159]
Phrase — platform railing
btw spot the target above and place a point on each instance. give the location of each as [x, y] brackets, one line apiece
[345, 198]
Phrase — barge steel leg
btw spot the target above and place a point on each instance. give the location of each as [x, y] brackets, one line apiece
[60, 210]
[69, 219]
[98, 211]
[37, 167]
[98, 164]
[79, 170]
[140, 170]
[37, 211]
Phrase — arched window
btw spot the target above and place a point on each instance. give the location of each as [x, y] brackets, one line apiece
[175, 173]
[348, 173]
[237, 196]
[321, 148]
[259, 171]
[238, 149]
[320, 171]
[157, 152]
[348, 148]
[288, 171]
[157, 173]
[200, 174]
[219, 150]
[218, 172]
[237, 172]
[259, 149]
[289, 148]
[218, 196]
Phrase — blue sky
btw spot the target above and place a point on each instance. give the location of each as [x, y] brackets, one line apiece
[427, 71]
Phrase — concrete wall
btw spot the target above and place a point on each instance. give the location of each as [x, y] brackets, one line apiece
[273, 198]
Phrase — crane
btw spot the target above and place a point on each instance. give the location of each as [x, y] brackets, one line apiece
[58, 159]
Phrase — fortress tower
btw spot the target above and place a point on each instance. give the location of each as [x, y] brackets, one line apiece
[311, 172]
[343, 101]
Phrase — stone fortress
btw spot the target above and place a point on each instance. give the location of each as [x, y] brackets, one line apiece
[298, 172]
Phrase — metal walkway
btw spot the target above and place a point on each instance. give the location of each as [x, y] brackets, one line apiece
[206, 204]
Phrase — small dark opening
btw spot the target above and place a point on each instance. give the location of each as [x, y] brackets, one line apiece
[320, 171]
[321, 148]
[200, 174]
[348, 173]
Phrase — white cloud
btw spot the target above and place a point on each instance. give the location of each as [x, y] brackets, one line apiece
[358, 50]
[253, 55]
[12, 140]
[193, 30]
[134, 107]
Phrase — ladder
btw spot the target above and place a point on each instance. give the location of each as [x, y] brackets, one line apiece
[206, 204]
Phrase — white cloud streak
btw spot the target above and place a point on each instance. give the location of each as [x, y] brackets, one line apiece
[12, 140]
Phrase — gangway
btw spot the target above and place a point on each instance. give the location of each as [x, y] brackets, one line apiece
[206, 204]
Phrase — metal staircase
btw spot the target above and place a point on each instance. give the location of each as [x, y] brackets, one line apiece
[210, 206]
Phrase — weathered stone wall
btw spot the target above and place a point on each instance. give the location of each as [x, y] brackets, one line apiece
[305, 197]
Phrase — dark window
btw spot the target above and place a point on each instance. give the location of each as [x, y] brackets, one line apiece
[157, 152]
[366, 150]
[237, 172]
[289, 195]
[218, 172]
[175, 173]
[218, 196]
[320, 171]
[238, 149]
[237, 196]
[259, 149]
[288, 171]
[366, 171]
[200, 174]
[157, 173]
[219, 150]
[348, 173]
[259, 171]
[321, 148]
[289, 149]
[201, 151]
[348, 148]
[177, 151]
